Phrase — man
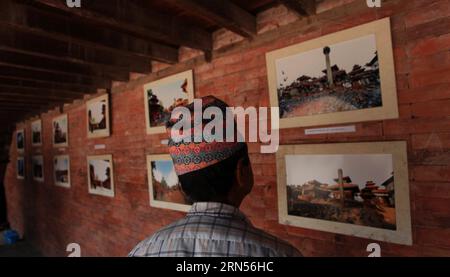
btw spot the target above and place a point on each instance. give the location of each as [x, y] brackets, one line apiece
[215, 177]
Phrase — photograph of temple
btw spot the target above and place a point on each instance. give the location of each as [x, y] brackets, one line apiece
[37, 165]
[60, 131]
[20, 140]
[100, 176]
[20, 168]
[336, 78]
[36, 132]
[61, 168]
[355, 189]
[161, 97]
[165, 183]
[161, 107]
[97, 116]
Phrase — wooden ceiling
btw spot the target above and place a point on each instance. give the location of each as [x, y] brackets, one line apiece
[51, 54]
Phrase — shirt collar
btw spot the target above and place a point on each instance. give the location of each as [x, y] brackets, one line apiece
[217, 210]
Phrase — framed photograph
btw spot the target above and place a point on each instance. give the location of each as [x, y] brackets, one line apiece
[36, 133]
[339, 78]
[100, 175]
[97, 111]
[165, 190]
[356, 189]
[20, 140]
[37, 165]
[20, 168]
[162, 96]
[61, 131]
[61, 170]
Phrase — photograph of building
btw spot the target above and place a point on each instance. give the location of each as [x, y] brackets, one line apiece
[61, 168]
[356, 189]
[37, 168]
[340, 77]
[165, 183]
[60, 131]
[163, 96]
[98, 117]
[36, 133]
[100, 175]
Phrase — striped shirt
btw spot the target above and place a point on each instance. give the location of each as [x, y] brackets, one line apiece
[213, 230]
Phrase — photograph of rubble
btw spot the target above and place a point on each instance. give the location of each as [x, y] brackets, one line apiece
[335, 79]
[357, 189]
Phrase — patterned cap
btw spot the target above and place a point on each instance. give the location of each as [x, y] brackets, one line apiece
[194, 155]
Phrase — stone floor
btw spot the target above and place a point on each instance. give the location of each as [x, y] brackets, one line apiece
[20, 249]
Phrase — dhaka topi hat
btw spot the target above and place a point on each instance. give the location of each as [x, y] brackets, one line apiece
[189, 156]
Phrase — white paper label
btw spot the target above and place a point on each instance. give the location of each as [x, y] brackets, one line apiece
[331, 130]
[99, 146]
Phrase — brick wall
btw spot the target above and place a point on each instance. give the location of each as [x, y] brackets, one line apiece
[51, 217]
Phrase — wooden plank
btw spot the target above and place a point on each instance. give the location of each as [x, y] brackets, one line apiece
[32, 44]
[18, 91]
[302, 7]
[224, 13]
[56, 26]
[58, 66]
[129, 17]
[6, 70]
[48, 85]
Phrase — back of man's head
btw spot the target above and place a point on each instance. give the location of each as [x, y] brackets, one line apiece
[209, 171]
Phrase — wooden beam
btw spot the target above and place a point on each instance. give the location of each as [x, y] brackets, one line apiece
[50, 94]
[6, 70]
[67, 28]
[30, 99]
[32, 44]
[302, 7]
[52, 65]
[48, 85]
[137, 20]
[223, 12]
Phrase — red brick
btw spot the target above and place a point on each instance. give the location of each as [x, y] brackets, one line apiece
[425, 94]
[51, 216]
[431, 109]
[431, 173]
[432, 12]
[433, 236]
[438, 141]
[429, 46]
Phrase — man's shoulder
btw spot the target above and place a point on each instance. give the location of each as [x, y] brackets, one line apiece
[274, 246]
[143, 248]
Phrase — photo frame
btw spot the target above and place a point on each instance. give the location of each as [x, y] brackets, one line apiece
[164, 189]
[36, 133]
[346, 188]
[61, 171]
[162, 96]
[37, 168]
[343, 77]
[60, 134]
[100, 175]
[20, 168]
[20, 140]
[98, 119]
